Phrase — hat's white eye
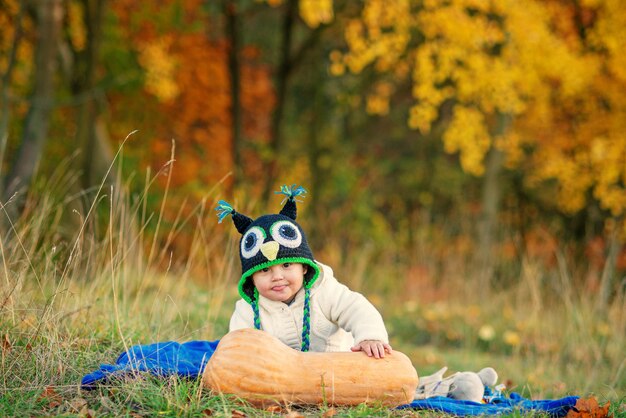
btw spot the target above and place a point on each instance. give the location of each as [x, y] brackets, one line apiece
[286, 233]
[252, 241]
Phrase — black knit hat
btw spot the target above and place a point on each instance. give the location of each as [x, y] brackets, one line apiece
[269, 240]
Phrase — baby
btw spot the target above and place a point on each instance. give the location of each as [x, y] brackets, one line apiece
[295, 298]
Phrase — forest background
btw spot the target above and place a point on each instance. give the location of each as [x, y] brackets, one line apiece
[465, 162]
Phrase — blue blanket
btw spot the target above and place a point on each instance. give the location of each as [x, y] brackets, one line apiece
[161, 359]
[501, 405]
[188, 360]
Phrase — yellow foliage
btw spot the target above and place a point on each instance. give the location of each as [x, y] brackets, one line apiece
[562, 88]
[459, 50]
[312, 12]
[76, 25]
[377, 103]
[467, 134]
[421, 116]
[160, 67]
[381, 36]
[316, 12]
[7, 16]
[591, 121]
[608, 161]
[25, 51]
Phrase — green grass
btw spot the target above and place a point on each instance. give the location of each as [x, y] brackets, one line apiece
[70, 301]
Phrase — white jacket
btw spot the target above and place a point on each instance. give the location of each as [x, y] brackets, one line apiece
[339, 316]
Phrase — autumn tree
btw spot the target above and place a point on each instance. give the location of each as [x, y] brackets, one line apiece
[585, 147]
[295, 15]
[85, 21]
[476, 70]
[189, 71]
[49, 17]
[66, 55]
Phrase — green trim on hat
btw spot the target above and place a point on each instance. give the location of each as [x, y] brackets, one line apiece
[302, 260]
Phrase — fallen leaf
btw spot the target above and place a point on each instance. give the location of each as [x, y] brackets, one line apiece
[235, 413]
[51, 396]
[588, 408]
[6, 343]
[207, 412]
[274, 409]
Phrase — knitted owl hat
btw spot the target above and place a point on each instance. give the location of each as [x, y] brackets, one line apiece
[270, 240]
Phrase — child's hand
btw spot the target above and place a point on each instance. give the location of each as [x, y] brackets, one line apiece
[373, 348]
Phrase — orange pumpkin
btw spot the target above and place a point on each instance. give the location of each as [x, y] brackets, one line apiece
[259, 368]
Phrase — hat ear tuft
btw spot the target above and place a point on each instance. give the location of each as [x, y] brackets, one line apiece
[241, 221]
[291, 192]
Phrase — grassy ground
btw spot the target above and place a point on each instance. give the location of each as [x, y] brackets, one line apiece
[70, 301]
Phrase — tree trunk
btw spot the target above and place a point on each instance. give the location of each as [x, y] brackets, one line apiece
[96, 156]
[315, 152]
[491, 195]
[84, 87]
[104, 152]
[49, 18]
[5, 82]
[232, 32]
[609, 271]
[281, 93]
[5, 106]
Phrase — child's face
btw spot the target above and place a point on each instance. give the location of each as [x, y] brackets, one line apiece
[280, 282]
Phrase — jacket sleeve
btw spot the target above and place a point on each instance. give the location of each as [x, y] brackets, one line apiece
[351, 310]
[242, 316]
